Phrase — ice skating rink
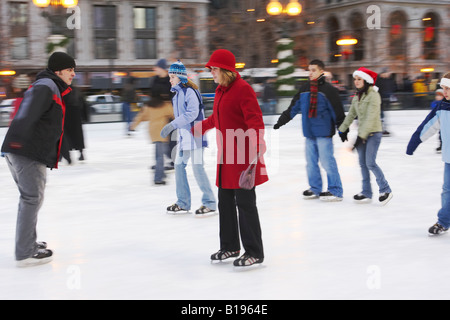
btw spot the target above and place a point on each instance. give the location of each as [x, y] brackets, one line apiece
[106, 222]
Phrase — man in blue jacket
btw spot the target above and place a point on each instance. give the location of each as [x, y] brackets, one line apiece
[322, 112]
[33, 143]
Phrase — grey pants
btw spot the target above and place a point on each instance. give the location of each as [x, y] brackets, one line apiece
[30, 177]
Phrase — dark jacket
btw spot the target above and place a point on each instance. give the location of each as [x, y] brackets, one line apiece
[37, 129]
[331, 94]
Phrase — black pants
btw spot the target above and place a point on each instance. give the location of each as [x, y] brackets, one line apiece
[246, 223]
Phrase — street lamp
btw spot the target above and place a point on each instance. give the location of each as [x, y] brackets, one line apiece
[275, 8]
[347, 43]
[55, 3]
[285, 51]
[56, 15]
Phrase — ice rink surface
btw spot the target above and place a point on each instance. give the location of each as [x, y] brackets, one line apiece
[106, 222]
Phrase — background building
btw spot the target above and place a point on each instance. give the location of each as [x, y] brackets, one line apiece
[104, 35]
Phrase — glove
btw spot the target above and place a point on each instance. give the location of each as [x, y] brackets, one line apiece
[282, 120]
[168, 128]
[343, 135]
[358, 141]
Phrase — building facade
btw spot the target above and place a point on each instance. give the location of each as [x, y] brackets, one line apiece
[104, 35]
[408, 38]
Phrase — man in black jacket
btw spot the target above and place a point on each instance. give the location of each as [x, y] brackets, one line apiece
[321, 146]
[33, 143]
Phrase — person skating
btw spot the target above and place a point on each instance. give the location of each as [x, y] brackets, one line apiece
[322, 111]
[366, 106]
[438, 120]
[239, 125]
[32, 144]
[186, 109]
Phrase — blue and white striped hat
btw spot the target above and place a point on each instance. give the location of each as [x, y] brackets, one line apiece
[179, 70]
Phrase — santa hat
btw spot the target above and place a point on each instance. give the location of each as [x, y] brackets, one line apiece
[368, 75]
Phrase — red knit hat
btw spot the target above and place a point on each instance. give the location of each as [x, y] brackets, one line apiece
[223, 59]
[368, 75]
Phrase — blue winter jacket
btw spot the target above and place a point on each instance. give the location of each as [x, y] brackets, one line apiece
[437, 119]
[324, 125]
[187, 111]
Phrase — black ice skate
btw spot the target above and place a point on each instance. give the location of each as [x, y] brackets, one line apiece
[385, 198]
[437, 229]
[309, 195]
[224, 255]
[176, 209]
[329, 197]
[204, 212]
[247, 260]
[40, 257]
[360, 198]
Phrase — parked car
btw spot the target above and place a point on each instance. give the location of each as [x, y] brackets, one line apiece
[6, 108]
[104, 103]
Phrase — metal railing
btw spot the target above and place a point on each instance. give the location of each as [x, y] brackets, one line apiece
[398, 101]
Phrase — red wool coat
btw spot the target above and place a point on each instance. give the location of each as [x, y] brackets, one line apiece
[239, 125]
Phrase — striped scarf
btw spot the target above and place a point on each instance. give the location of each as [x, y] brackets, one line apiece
[314, 88]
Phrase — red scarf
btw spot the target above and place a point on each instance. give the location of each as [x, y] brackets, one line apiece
[314, 88]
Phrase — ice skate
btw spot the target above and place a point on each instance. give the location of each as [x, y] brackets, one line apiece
[437, 229]
[176, 210]
[360, 198]
[204, 212]
[42, 256]
[309, 195]
[329, 197]
[222, 255]
[247, 260]
[385, 198]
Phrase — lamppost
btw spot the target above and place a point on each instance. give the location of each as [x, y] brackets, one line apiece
[56, 41]
[285, 47]
[346, 44]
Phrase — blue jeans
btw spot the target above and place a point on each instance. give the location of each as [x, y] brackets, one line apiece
[161, 148]
[367, 153]
[444, 212]
[126, 114]
[182, 184]
[322, 149]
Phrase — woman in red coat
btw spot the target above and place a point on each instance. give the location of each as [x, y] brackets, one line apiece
[239, 125]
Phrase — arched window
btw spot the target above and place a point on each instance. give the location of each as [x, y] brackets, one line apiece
[397, 35]
[358, 24]
[333, 28]
[430, 24]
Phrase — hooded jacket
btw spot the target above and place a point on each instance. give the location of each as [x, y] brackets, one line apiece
[367, 110]
[437, 120]
[186, 110]
[37, 129]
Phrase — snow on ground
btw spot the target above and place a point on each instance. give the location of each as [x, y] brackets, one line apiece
[106, 222]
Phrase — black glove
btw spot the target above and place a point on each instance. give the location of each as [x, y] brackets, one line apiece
[343, 135]
[282, 120]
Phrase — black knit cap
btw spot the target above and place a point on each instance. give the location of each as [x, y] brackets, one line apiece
[60, 61]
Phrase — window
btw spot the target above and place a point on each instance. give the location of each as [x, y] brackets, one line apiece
[430, 36]
[18, 27]
[105, 33]
[145, 32]
[184, 35]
